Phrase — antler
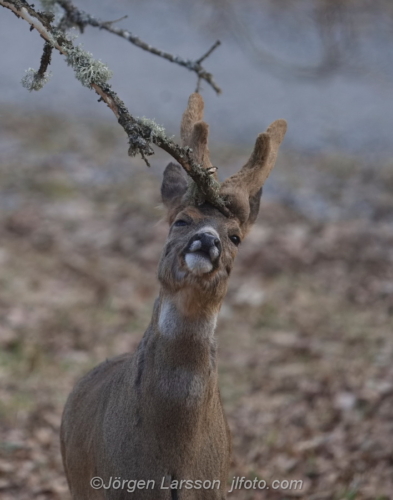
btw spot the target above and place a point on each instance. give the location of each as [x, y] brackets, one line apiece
[245, 184]
[194, 133]
[254, 173]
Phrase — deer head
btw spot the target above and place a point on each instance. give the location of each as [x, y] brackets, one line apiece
[203, 242]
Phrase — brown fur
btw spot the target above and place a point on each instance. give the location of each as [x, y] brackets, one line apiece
[157, 413]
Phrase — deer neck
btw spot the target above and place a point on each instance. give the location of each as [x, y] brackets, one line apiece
[176, 360]
[174, 371]
[185, 314]
[185, 331]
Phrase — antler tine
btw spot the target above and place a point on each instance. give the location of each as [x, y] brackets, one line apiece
[193, 114]
[194, 131]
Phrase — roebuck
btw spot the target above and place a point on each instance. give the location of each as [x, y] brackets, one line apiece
[156, 416]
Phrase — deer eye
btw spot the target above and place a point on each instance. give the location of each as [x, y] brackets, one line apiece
[180, 223]
[235, 239]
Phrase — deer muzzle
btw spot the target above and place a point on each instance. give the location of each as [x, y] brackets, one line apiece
[203, 251]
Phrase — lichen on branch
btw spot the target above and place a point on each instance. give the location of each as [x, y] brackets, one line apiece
[141, 132]
[49, 5]
[87, 69]
[34, 80]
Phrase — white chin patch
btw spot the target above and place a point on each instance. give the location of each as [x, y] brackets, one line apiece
[198, 263]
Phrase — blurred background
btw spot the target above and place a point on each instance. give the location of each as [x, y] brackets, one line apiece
[305, 334]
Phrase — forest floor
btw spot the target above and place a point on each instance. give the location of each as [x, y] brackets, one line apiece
[305, 334]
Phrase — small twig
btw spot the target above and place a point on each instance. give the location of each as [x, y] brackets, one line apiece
[45, 59]
[145, 159]
[79, 18]
[198, 87]
[109, 23]
[212, 48]
[140, 135]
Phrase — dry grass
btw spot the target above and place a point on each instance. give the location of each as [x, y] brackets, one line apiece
[305, 335]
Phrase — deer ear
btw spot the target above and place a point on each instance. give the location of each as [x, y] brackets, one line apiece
[174, 185]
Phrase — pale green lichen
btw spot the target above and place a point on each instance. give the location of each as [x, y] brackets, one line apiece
[155, 129]
[34, 80]
[49, 5]
[88, 70]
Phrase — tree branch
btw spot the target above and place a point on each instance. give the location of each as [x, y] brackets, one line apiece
[141, 132]
[75, 17]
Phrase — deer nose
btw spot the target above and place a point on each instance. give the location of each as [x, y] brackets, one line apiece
[207, 243]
